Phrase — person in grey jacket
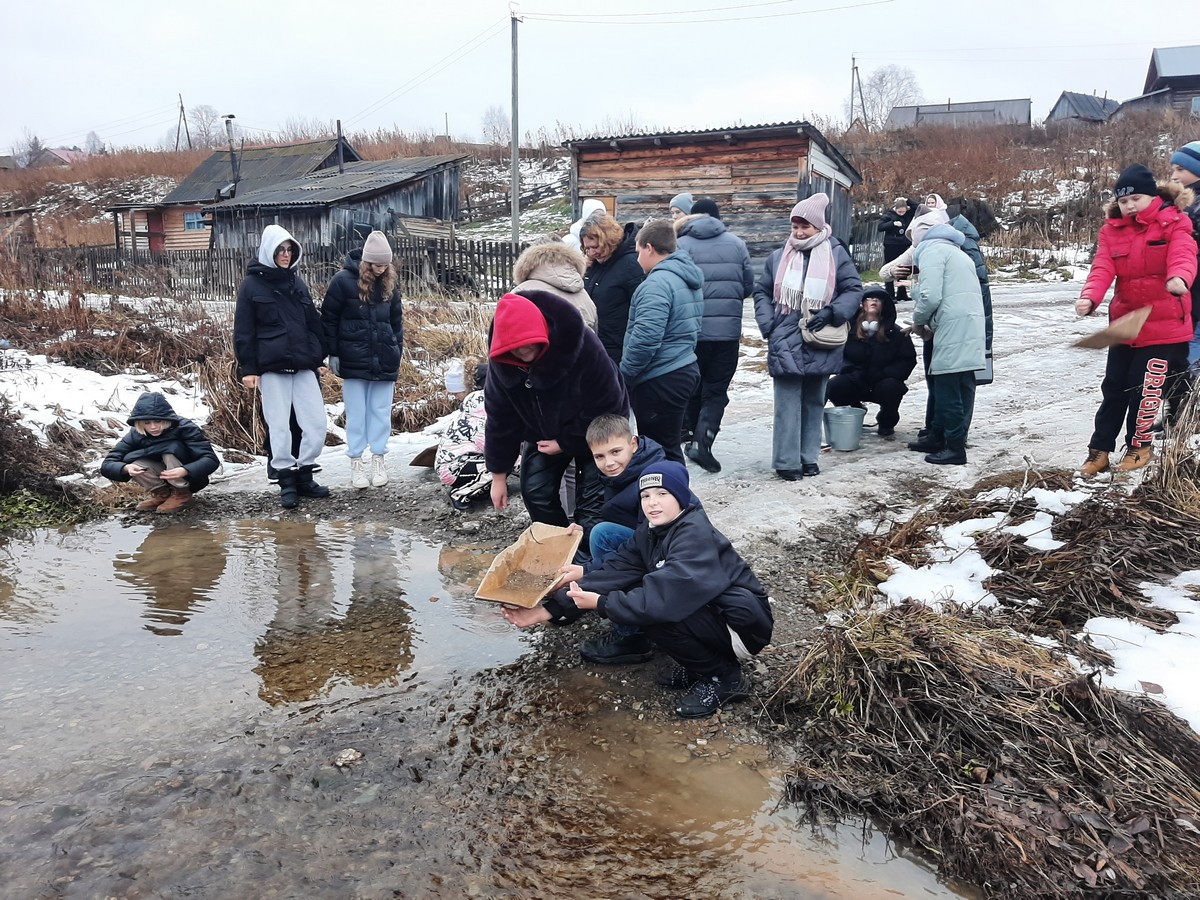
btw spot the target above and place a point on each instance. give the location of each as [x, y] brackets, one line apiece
[658, 361]
[728, 280]
[811, 272]
[950, 305]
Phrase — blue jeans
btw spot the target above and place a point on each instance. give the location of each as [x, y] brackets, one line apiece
[799, 405]
[606, 538]
[1194, 351]
[368, 415]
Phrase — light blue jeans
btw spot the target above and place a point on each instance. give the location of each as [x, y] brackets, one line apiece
[606, 537]
[368, 415]
[799, 406]
[1194, 352]
[281, 393]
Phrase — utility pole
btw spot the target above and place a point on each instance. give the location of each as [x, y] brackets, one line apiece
[233, 164]
[182, 122]
[515, 149]
[341, 159]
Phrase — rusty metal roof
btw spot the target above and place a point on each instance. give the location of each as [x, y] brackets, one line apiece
[258, 167]
[327, 186]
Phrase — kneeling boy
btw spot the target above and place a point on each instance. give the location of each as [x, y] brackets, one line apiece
[683, 584]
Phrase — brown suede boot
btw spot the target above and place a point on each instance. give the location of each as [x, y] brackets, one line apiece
[154, 499]
[180, 497]
[1135, 458]
[1096, 462]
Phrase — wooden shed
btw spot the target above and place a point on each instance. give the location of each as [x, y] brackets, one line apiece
[336, 209]
[754, 173]
[177, 223]
[1172, 82]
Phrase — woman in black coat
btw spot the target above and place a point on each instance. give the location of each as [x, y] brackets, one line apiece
[364, 333]
[878, 358]
[164, 453]
[613, 275]
[280, 347]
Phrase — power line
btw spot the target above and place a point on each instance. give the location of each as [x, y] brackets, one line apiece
[453, 56]
[660, 14]
[561, 18]
[114, 123]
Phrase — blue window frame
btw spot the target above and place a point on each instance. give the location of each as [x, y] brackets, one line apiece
[193, 221]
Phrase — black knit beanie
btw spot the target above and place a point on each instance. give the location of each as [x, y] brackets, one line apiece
[1136, 179]
[705, 207]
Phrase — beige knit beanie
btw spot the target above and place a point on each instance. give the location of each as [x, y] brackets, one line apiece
[376, 249]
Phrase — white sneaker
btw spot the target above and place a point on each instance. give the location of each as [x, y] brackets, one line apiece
[358, 473]
[379, 475]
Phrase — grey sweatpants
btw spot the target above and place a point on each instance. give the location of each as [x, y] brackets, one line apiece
[281, 393]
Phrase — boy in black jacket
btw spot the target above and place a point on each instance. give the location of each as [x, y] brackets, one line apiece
[680, 581]
[163, 452]
[621, 457]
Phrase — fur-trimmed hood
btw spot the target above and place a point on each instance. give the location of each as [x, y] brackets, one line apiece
[554, 263]
[1169, 192]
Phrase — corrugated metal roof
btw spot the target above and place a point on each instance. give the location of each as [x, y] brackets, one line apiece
[329, 186]
[678, 137]
[974, 112]
[258, 167]
[1171, 62]
[1088, 106]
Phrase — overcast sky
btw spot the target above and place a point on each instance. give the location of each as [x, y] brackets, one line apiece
[116, 68]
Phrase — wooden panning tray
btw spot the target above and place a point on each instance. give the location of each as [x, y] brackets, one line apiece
[1120, 331]
[425, 458]
[524, 572]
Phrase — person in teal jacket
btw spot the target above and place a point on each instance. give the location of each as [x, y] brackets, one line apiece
[658, 362]
[949, 303]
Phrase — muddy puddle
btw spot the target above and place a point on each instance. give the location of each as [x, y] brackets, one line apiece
[173, 699]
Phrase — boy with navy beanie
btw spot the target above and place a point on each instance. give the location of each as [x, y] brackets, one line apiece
[679, 580]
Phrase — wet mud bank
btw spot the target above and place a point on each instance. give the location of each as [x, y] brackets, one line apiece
[185, 737]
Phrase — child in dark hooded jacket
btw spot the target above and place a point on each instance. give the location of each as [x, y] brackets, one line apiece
[680, 580]
[164, 453]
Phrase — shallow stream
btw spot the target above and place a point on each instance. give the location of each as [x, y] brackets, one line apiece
[173, 699]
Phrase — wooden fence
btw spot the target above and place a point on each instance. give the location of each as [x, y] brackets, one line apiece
[425, 264]
[501, 206]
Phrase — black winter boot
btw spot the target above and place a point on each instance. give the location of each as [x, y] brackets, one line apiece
[305, 486]
[700, 452]
[948, 456]
[288, 497]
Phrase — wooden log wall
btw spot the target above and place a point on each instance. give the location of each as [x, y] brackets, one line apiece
[753, 181]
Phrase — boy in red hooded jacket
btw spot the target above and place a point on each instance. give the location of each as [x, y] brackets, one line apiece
[1146, 244]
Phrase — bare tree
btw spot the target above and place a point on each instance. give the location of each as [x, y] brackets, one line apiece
[496, 126]
[93, 145]
[26, 150]
[206, 127]
[886, 87]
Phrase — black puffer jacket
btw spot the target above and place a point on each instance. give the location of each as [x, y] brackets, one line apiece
[893, 225]
[556, 397]
[870, 359]
[367, 338]
[666, 574]
[276, 327]
[184, 440]
[611, 284]
[728, 275]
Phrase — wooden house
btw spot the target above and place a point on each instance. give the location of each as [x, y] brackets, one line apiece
[755, 174]
[1172, 82]
[962, 115]
[51, 157]
[177, 223]
[328, 208]
[1071, 107]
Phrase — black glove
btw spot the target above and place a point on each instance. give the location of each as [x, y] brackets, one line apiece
[820, 319]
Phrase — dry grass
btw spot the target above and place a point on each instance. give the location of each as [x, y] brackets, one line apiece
[962, 736]
[26, 185]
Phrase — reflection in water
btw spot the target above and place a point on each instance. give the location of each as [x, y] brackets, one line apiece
[176, 568]
[307, 644]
